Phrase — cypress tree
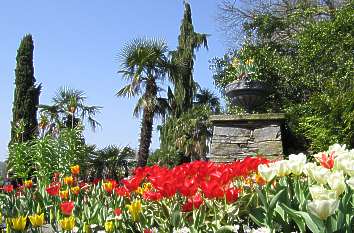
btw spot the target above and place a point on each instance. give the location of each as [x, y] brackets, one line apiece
[26, 95]
[188, 42]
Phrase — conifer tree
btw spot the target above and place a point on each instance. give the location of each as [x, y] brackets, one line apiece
[26, 95]
[188, 42]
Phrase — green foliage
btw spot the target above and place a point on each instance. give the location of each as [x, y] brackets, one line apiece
[47, 155]
[184, 138]
[188, 42]
[111, 161]
[26, 95]
[305, 57]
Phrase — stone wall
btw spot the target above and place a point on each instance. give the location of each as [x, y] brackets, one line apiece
[237, 136]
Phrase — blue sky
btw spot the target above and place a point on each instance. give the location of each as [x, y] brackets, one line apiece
[77, 43]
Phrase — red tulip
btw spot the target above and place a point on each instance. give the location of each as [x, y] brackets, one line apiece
[231, 195]
[192, 203]
[117, 211]
[8, 188]
[53, 189]
[67, 207]
[133, 183]
[327, 161]
[152, 196]
[122, 191]
[188, 188]
[212, 189]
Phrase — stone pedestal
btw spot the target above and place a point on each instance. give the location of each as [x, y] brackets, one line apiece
[237, 136]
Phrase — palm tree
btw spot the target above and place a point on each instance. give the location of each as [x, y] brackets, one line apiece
[144, 64]
[68, 110]
[111, 162]
[208, 98]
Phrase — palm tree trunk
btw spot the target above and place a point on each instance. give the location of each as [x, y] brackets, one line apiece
[145, 137]
[147, 123]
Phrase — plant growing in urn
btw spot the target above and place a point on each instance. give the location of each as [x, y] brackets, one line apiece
[246, 90]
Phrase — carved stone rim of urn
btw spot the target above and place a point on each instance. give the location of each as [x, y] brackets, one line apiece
[247, 93]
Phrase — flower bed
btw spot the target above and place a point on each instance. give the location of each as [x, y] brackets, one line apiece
[198, 196]
[302, 194]
[305, 195]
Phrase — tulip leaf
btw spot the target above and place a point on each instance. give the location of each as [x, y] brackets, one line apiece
[176, 218]
[281, 212]
[275, 200]
[263, 198]
[314, 225]
[296, 218]
[258, 216]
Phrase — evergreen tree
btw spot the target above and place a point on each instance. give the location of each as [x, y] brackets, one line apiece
[188, 42]
[26, 96]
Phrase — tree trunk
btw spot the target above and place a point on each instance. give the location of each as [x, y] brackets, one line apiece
[145, 137]
[147, 122]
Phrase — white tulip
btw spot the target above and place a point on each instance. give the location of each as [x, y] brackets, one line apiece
[297, 163]
[320, 174]
[350, 182]
[339, 163]
[348, 166]
[336, 182]
[267, 172]
[299, 157]
[320, 193]
[282, 168]
[338, 149]
[323, 208]
[308, 168]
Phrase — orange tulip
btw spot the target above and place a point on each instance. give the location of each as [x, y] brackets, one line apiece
[64, 194]
[28, 184]
[75, 170]
[108, 187]
[69, 180]
[75, 190]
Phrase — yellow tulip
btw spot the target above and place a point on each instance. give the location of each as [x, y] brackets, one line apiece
[75, 190]
[146, 187]
[109, 226]
[134, 209]
[67, 223]
[19, 223]
[64, 194]
[37, 220]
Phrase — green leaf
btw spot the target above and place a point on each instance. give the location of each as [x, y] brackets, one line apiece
[263, 198]
[296, 218]
[275, 200]
[176, 218]
[315, 225]
[258, 216]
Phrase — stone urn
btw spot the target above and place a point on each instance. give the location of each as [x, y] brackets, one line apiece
[246, 93]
